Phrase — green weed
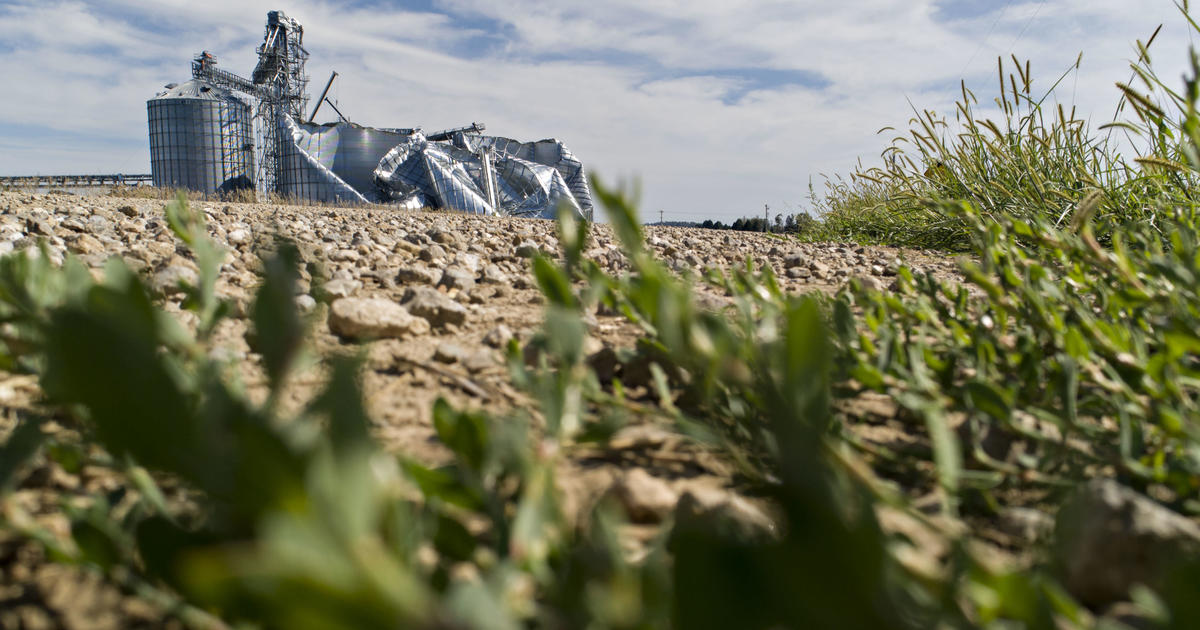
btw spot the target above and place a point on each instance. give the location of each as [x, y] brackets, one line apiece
[1035, 160]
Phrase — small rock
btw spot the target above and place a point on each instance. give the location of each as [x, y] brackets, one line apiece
[97, 223]
[479, 361]
[340, 288]
[641, 436]
[798, 273]
[794, 260]
[442, 236]
[406, 246]
[1109, 538]
[86, 244]
[468, 261]
[527, 249]
[305, 303]
[432, 253]
[492, 274]
[438, 309]
[344, 255]
[498, 337]
[416, 275]
[373, 318]
[39, 226]
[167, 281]
[449, 352]
[869, 283]
[128, 211]
[73, 223]
[646, 499]
[238, 237]
[386, 278]
[457, 278]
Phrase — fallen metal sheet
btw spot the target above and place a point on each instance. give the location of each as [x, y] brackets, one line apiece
[469, 172]
[548, 152]
[452, 175]
[308, 156]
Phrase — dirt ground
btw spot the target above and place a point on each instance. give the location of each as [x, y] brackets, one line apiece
[473, 270]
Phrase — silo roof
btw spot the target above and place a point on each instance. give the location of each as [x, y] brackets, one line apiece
[197, 89]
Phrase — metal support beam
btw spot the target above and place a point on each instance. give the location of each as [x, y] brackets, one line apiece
[446, 134]
[324, 93]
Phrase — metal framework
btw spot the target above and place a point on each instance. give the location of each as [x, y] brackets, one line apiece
[278, 86]
[76, 181]
[453, 168]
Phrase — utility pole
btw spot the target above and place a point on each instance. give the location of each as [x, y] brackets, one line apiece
[766, 221]
[660, 217]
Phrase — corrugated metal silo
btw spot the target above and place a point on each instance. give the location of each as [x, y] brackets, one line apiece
[201, 138]
[359, 151]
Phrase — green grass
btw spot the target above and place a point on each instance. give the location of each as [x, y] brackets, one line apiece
[1034, 159]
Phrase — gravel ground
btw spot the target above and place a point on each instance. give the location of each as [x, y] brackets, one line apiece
[440, 291]
[437, 295]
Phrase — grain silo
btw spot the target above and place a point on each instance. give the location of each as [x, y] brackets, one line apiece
[221, 131]
[201, 138]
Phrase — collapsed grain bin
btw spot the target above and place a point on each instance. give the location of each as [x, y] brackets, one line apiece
[285, 154]
[201, 138]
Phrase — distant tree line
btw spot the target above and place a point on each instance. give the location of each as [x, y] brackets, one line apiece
[781, 224]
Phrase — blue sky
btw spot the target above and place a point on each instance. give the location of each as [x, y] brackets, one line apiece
[716, 107]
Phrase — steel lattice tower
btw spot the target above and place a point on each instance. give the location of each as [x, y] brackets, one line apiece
[278, 85]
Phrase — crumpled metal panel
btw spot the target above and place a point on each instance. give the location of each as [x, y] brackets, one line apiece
[450, 175]
[308, 154]
[348, 162]
[358, 154]
[435, 174]
[549, 152]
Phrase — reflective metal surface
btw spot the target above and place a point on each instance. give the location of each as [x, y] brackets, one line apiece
[201, 138]
[521, 179]
[307, 155]
[548, 152]
[359, 151]
[469, 172]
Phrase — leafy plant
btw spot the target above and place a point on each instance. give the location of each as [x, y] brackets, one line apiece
[1024, 157]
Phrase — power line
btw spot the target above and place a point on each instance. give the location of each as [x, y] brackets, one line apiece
[983, 42]
[1028, 23]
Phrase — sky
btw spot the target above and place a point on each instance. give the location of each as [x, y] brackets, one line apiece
[716, 108]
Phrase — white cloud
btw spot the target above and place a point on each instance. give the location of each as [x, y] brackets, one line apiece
[630, 86]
